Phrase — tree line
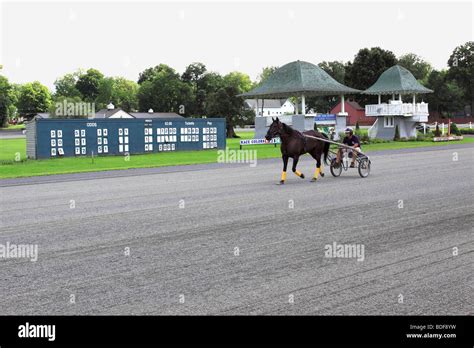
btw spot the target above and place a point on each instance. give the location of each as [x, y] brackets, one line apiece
[199, 92]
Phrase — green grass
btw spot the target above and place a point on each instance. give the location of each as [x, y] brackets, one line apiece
[9, 148]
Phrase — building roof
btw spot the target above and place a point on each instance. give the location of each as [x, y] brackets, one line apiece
[397, 80]
[268, 103]
[106, 113]
[298, 78]
[355, 105]
[155, 115]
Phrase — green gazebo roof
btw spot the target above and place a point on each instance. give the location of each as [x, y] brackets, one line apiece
[298, 78]
[397, 80]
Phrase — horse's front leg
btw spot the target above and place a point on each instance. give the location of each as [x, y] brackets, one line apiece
[285, 165]
[295, 162]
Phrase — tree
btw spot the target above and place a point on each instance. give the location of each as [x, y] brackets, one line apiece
[447, 96]
[396, 137]
[119, 91]
[225, 103]
[88, 84]
[66, 85]
[5, 100]
[336, 69]
[194, 72]
[14, 96]
[33, 98]
[416, 65]
[366, 68]
[149, 73]
[461, 69]
[164, 91]
[194, 76]
[239, 80]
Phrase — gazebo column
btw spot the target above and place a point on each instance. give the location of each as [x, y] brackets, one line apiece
[341, 121]
[414, 103]
[296, 106]
[380, 99]
[400, 97]
[256, 107]
[303, 105]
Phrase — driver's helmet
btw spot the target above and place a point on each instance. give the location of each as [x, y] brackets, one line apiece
[348, 130]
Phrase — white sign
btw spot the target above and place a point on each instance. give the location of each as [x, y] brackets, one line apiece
[259, 141]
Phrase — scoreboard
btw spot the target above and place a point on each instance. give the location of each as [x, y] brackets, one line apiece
[50, 138]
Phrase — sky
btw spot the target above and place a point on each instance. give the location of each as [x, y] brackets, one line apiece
[45, 40]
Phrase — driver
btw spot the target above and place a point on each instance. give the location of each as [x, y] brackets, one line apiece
[350, 140]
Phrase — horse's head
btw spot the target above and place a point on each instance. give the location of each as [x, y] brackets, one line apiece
[275, 129]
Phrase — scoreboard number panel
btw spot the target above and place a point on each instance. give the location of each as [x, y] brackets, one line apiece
[56, 142]
[79, 142]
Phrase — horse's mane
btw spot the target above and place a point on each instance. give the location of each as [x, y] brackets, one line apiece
[290, 131]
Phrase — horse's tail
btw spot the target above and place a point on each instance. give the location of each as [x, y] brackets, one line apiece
[326, 147]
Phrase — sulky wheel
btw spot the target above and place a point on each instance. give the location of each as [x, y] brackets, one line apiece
[364, 167]
[335, 169]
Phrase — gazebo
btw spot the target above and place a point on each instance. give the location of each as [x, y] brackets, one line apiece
[298, 79]
[396, 81]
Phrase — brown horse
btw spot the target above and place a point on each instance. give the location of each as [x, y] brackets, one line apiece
[294, 144]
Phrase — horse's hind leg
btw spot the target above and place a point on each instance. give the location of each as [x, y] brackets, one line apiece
[319, 167]
[295, 162]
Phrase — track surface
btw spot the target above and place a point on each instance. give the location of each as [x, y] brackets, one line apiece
[190, 251]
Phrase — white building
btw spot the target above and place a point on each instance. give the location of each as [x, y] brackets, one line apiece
[271, 107]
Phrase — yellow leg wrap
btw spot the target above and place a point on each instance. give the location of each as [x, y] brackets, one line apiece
[298, 173]
[316, 172]
[283, 176]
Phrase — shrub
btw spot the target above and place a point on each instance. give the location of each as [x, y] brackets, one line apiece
[379, 140]
[424, 137]
[397, 133]
[467, 131]
[454, 129]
